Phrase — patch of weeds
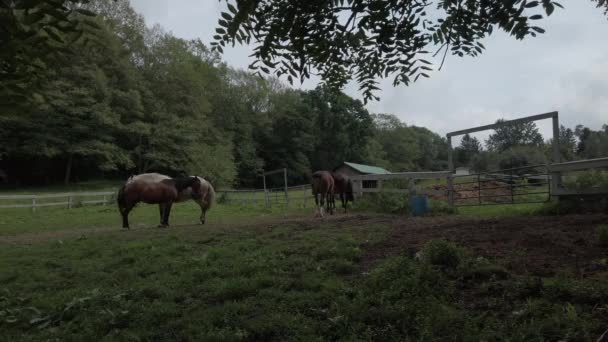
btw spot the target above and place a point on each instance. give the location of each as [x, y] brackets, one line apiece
[440, 208]
[442, 253]
[382, 202]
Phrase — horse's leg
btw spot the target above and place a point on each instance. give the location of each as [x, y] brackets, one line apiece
[333, 203]
[125, 215]
[203, 212]
[162, 212]
[167, 213]
[342, 197]
[322, 203]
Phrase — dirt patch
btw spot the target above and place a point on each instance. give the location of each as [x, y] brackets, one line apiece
[541, 245]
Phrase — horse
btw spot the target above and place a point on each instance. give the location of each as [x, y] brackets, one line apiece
[323, 187]
[165, 193]
[344, 187]
[205, 201]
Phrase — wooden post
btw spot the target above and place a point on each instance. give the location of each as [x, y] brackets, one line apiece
[70, 201]
[34, 203]
[450, 176]
[105, 200]
[556, 181]
[286, 190]
[265, 193]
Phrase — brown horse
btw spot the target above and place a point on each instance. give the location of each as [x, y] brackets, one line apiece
[344, 187]
[164, 193]
[205, 201]
[323, 190]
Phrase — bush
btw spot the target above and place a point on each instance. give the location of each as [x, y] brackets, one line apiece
[602, 234]
[384, 202]
[589, 179]
[442, 253]
[441, 208]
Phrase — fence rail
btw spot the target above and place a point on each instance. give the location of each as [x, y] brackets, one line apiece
[230, 196]
[72, 199]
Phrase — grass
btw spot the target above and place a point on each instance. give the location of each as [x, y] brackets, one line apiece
[285, 282]
[18, 221]
[501, 210]
[250, 275]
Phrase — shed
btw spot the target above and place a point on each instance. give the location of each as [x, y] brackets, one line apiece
[462, 171]
[354, 169]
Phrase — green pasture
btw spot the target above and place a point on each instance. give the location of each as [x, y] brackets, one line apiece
[256, 273]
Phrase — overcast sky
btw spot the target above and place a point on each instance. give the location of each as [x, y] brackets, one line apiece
[565, 69]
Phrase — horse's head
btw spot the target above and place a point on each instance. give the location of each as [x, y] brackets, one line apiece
[197, 187]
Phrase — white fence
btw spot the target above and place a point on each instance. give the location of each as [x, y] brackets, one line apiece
[296, 194]
[68, 200]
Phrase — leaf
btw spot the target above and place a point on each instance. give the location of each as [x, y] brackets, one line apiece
[86, 12]
[538, 29]
[220, 30]
[531, 4]
[231, 8]
[226, 16]
[536, 17]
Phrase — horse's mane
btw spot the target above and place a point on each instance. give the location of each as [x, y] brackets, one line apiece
[183, 182]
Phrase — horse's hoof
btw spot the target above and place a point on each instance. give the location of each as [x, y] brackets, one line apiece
[163, 226]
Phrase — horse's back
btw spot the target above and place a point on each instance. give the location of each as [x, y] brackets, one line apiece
[148, 178]
[322, 181]
[341, 182]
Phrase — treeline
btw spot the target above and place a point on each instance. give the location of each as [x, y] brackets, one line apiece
[521, 145]
[129, 99]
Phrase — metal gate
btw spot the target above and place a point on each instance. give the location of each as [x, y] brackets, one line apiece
[527, 184]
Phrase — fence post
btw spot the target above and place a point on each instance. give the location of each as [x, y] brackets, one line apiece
[70, 201]
[286, 190]
[479, 187]
[265, 193]
[450, 176]
[556, 181]
[105, 200]
[34, 203]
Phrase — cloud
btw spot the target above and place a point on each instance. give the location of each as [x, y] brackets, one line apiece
[563, 70]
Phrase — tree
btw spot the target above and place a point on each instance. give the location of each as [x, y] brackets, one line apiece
[567, 143]
[592, 144]
[514, 134]
[400, 147]
[582, 133]
[366, 40]
[342, 128]
[469, 146]
[30, 32]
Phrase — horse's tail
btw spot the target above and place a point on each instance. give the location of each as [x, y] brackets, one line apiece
[316, 180]
[210, 197]
[121, 199]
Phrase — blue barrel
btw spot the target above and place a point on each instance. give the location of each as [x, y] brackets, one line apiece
[419, 205]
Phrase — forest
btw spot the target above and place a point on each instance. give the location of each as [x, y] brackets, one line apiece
[126, 98]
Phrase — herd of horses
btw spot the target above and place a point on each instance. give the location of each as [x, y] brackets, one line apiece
[155, 188]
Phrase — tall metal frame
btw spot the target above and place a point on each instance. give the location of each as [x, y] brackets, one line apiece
[555, 175]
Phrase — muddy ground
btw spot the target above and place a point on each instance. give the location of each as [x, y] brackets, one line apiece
[541, 245]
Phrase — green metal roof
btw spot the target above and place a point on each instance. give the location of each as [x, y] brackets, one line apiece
[367, 168]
